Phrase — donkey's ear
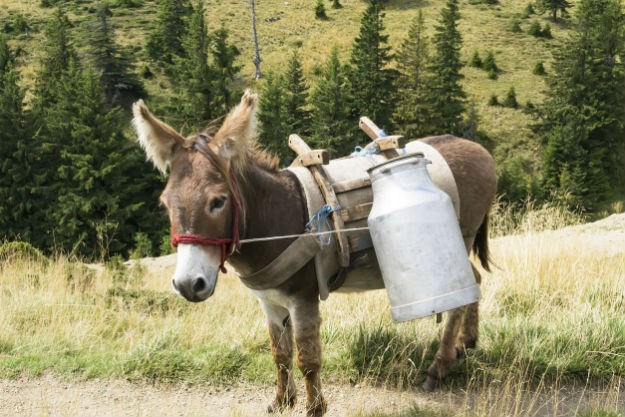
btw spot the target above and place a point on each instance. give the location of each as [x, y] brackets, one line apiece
[156, 137]
[238, 129]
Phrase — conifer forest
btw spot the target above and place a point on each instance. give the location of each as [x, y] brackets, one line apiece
[541, 86]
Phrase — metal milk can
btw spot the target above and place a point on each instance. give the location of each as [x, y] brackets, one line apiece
[418, 242]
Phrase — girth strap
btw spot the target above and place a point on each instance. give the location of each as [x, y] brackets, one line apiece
[291, 260]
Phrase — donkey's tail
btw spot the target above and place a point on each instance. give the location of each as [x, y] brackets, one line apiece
[480, 244]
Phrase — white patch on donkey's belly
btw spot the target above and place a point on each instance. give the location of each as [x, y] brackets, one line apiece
[275, 304]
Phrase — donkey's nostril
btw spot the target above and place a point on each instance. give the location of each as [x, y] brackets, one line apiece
[199, 285]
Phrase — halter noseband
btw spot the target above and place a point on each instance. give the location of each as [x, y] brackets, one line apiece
[227, 245]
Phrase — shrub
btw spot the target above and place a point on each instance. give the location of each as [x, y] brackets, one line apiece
[510, 100]
[493, 100]
[166, 248]
[11, 251]
[535, 29]
[546, 32]
[336, 4]
[528, 11]
[147, 73]
[143, 246]
[320, 10]
[516, 27]
[489, 65]
[539, 68]
[476, 61]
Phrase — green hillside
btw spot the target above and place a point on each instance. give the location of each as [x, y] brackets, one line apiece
[284, 25]
[484, 27]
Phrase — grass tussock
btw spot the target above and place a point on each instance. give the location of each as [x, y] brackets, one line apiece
[552, 316]
[508, 219]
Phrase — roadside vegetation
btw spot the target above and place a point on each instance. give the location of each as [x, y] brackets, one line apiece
[552, 316]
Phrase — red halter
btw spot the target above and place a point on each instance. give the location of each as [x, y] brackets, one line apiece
[227, 245]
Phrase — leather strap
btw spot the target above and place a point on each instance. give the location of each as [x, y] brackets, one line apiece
[291, 260]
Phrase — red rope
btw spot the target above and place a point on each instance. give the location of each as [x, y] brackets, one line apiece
[227, 245]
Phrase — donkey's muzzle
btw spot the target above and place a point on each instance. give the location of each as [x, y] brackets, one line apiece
[195, 290]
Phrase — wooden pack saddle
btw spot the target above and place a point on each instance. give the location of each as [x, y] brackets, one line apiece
[345, 259]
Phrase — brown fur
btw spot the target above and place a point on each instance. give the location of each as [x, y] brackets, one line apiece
[275, 206]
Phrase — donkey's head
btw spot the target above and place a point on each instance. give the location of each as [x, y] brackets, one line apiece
[201, 196]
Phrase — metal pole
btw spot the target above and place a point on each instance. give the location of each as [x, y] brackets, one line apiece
[257, 59]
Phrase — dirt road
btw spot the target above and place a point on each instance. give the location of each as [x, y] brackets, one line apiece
[50, 396]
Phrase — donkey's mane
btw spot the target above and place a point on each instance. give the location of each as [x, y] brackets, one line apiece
[251, 153]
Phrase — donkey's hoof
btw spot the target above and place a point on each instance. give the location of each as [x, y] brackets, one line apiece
[317, 409]
[277, 407]
[430, 384]
[273, 408]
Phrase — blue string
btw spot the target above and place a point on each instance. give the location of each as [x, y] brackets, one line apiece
[321, 218]
[366, 151]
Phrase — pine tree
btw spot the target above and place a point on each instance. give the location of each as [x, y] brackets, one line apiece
[476, 61]
[296, 114]
[447, 95]
[224, 57]
[413, 116]
[165, 40]
[273, 131]
[539, 68]
[490, 66]
[535, 29]
[372, 82]
[96, 190]
[471, 127]
[59, 54]
[320, 10]
[59, 57]
[330, 100]
[336, 4]
[553, 6]
[15, 201]
[510, 100]
[583, 116]
[194, 76]
[120, 83]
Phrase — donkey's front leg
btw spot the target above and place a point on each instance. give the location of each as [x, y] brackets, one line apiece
[307, 323]
[446, 355]
[281, 338]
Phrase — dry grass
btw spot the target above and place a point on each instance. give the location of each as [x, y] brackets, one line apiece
[552, 329]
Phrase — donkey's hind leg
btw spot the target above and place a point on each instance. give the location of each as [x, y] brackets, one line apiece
[307, 323]
[469, 331]
[281, 338]
[446, 355]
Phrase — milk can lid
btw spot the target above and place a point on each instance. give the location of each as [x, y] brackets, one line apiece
[417, 156]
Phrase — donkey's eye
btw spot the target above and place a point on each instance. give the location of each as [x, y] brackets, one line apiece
[217, 203]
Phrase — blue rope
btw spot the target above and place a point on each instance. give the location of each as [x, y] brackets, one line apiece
[321, 218]
[366, 151]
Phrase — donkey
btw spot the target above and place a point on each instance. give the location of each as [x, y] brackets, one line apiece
[223, 188]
